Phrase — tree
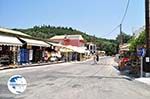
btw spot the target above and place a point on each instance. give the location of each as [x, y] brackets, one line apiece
[47, 31]
[126, 38]
[137, 41]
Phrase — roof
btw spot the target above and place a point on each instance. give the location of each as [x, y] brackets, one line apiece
[58, 37]
[13, 32]
[68, 37]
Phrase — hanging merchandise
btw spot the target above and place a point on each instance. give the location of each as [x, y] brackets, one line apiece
[0, 48]
[30, 54]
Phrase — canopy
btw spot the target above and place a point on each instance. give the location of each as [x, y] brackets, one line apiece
[56, 44]
[33, 42]
[77, 49]
[81, 49]
[8, 40]
[63, 49]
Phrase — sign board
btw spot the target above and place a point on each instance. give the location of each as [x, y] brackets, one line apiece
[147, 59]
[141, 52]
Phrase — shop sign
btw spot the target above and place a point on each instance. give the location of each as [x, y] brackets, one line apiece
[141, 52]
[147, 59]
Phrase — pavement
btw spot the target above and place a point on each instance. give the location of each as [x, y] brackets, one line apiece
[79, 80]
[28, 65]
[144, 80]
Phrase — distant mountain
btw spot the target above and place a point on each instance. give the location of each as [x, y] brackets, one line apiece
[47, 31]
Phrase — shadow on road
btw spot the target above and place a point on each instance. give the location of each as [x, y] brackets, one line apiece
[94, 77]
[128, 73]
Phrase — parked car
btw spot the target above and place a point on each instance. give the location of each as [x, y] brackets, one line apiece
[53, 59]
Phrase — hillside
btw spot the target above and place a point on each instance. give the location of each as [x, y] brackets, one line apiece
[47, 31]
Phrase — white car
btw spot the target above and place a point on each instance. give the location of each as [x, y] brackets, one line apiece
[53, 58]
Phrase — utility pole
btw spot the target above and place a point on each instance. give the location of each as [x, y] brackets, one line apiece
[146, 59]
[121, 36]
[147, 23]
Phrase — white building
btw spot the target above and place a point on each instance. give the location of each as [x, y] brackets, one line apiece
[91, 47]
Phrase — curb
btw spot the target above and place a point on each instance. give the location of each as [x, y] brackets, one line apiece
[29, 65]
[35, 65]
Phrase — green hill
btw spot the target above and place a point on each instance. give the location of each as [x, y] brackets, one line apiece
[47, 31]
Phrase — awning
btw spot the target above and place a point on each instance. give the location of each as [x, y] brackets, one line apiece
[8, 40]
[81, 49]
[56, 44]
[33, 42]
[77, 49]
[65, 50]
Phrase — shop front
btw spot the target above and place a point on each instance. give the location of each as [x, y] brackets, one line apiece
[65, 52]
[78, 53]
[33, 51]
[8, 50]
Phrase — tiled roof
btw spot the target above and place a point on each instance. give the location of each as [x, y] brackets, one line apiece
[68, 37]
[58, 37]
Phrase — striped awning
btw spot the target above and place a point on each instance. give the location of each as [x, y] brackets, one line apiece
[9, 40]
[34, 42]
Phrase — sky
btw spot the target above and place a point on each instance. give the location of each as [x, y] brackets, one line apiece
[95, 17]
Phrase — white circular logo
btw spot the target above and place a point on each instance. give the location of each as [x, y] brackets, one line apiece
[17, 84]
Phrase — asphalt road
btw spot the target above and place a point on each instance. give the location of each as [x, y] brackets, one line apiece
[80, 80]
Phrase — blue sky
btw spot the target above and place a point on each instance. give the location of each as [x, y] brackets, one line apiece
[95, 17]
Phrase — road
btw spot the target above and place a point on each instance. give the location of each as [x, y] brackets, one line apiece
[79, 80]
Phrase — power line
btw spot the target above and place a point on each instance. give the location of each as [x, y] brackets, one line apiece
[125, 13]
[116, 27]
[123, 18]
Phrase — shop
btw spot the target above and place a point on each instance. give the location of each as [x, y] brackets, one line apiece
[33, 51]
[9, 46]
[78, 53]
[65, 52]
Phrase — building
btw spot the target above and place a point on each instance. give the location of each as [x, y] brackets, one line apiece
[73, 40]
[75, 43]
[91, 47]
[18, 48]
[9, 46]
